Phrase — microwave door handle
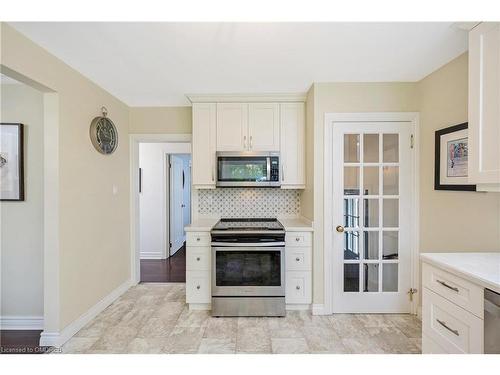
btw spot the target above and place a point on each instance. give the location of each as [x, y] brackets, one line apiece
[268, 168]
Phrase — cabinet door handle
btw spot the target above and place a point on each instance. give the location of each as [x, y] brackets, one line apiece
[454, 331]
[198, 239]
[447, 286]
[282, 172]
[244, 141]
[213, 178]
[297, 259]
[251, 143]
[198, 287]
[297, 287]
[297, 239]
[198, 259]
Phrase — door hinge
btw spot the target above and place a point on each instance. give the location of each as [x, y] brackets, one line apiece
[170, 244]
[412, 141]
[411, 292]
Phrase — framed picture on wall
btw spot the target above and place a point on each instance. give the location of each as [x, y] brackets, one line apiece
[451, 159]
[11, 162]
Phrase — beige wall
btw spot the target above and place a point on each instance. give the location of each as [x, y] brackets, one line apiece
[166, 120]
[22, 222]
[449, 220]
[347, 97]
[307, 195]
[94, 223]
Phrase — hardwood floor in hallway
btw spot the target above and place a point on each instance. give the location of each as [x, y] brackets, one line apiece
[170, 270]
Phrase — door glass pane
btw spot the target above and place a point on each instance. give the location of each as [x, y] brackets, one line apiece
[370, 212]
[351, 277]
[370, 148]
[390, 244]
[351, 245]
[391, 180]
[371, 245]
[351, 180]
[248, 268]
[391, 213]
[370, 277]
[391, 148]
[351, 213]
[351, 148]
[370, 180]
[390, 277]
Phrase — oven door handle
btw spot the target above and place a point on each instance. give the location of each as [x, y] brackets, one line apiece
[245, 246]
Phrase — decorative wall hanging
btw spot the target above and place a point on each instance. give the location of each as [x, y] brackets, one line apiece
[451, 159]
[11, 162]
[103, 133]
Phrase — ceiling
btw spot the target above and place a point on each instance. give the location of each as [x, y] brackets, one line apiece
[156, 64]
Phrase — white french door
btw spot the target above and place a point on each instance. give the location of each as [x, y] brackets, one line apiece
[372, 177]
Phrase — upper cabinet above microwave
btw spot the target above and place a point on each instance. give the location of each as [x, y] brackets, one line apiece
[248, 127]
[484, 106]
[250, 123]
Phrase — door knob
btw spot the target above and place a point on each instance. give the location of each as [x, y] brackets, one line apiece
[339, 228]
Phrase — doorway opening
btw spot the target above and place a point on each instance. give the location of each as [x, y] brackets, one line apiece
[164, 193]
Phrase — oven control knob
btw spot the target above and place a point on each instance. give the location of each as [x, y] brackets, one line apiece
[297, 287]
[198, 259]
[197, 287]
[297, 259]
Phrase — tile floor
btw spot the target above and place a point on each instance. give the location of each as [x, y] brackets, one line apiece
[153, 318]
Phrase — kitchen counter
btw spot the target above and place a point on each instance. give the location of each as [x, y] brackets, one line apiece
[201, 225]
[482, 269]
[296, 225]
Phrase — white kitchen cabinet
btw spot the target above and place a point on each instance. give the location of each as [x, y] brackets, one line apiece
[203, 150]
[298, 269]
[292, 145]
[198, 266]
[232, 127]
[263, 127]
[484, 106]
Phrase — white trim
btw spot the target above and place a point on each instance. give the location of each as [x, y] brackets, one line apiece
[21, 322]
[247, 98]
[135, 139]
[152, 255]
[297, 307]
[57, 339]
[413, 119]
[319, 309]
[200, 306]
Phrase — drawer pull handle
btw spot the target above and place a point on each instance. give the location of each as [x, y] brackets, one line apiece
[447, 286]
[297, 239]
[297, 287]
[454, 331]
[198, 287]
[198, 259]
[297, 259]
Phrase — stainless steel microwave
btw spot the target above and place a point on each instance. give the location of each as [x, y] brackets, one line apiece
[248, 169]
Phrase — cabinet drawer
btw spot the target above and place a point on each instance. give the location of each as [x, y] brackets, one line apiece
[457, 290]
[198, 239]
[198, 258]
[298, 287]
[198, 287]
[429, 346]
[298, 259]
[451, 327]
[298, 239]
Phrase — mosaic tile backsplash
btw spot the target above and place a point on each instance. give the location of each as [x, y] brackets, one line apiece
[241, 202]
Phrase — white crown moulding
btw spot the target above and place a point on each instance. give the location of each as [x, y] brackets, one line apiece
[247, 98]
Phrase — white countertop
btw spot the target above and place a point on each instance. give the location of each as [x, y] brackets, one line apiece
[291, 225]
[480, 268]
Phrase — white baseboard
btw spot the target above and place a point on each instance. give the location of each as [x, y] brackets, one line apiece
[200, 306]
[57, 339]
[318, 309]
[151, 255]
[21, 322]
[297, 307]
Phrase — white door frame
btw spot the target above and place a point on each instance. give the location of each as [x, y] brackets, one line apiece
[330, 118]
[135, 139]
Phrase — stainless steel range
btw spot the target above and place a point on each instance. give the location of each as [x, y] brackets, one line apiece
[248, 263]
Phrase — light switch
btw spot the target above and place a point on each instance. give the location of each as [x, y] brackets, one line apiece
[115, 189]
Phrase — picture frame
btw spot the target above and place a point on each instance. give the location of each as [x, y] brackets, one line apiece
[451, 159]
[11, 162]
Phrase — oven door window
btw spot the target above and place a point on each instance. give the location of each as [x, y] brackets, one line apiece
[242, 169]
[248, 268]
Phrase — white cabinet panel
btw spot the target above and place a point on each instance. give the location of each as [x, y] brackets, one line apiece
[232, 126]
[300, 239]
[203, 151]
[198, 258]
[451, 327]
[429, 346]
[198, 288]
[263, 127]
[292, 145]
[298, 259]
[198, 239]
[298, 288]
[484, 105]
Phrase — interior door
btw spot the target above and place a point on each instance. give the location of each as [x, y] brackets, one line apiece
[263, 127]
[372, 175]
[176, 204]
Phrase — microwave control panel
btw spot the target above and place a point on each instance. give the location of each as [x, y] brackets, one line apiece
[275, 169]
